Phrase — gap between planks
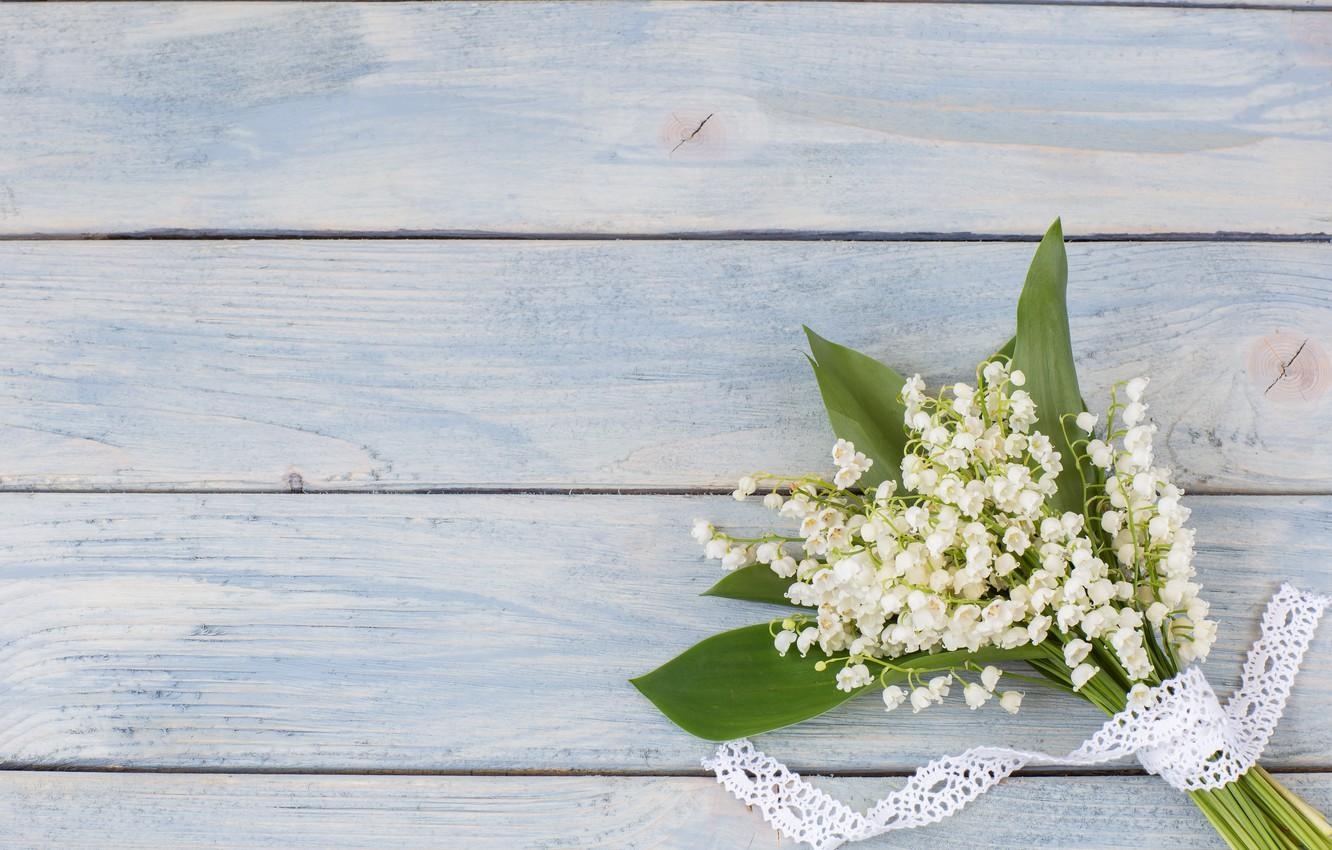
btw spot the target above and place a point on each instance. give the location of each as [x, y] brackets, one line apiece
[1126, 4]
[213, 235]
[536, 773]
[501, 490]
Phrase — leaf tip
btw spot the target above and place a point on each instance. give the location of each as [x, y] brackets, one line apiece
[640, 683]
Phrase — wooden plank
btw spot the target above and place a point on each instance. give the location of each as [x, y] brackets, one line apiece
[467, 633]
[226, 812]
[423, 364]
[662, 118]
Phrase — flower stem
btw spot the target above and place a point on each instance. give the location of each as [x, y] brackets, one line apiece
[1314, 817]
[1255, 812]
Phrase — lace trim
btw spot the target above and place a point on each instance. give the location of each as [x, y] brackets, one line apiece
[1180, 732]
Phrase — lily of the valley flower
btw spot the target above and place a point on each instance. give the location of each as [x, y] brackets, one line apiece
[970, 554]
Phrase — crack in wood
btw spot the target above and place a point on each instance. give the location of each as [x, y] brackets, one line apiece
[691, 136]
[1284, 366]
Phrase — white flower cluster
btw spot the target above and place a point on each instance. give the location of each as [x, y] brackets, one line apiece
[851, 464]
[1143, 520]
[972, 555]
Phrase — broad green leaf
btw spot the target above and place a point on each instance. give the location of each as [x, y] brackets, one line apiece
[754, 583]
[734, 684]
[1044, 352]
[757, 582]
[861, 395]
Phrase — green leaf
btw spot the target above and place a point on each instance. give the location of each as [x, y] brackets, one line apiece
[754, 583]
[734, 684]
[1044, 352]
[757, 582]
[861, 395]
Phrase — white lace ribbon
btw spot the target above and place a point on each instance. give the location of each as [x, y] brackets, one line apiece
[1180, 732]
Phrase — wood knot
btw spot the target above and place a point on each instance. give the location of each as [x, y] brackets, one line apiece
[295, 482]
[1289, 368]
[694, 135]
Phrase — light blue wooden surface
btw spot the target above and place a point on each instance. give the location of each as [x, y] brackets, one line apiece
[192, 656]
[606, 364]
[116, 812]
[580, 117]
[471, 632]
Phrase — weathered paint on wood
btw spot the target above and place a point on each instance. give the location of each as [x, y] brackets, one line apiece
[225, 812]
[392, 365]
[486, 633]
[663, 118]
[470, 632]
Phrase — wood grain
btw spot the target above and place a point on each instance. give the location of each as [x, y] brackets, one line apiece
[117, 812]
[421, 364]
[663, 118]
[468, 632]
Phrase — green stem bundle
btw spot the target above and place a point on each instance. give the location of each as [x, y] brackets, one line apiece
[1255, 812]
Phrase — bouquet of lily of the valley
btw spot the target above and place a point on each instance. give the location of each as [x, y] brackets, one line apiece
[987, 523]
